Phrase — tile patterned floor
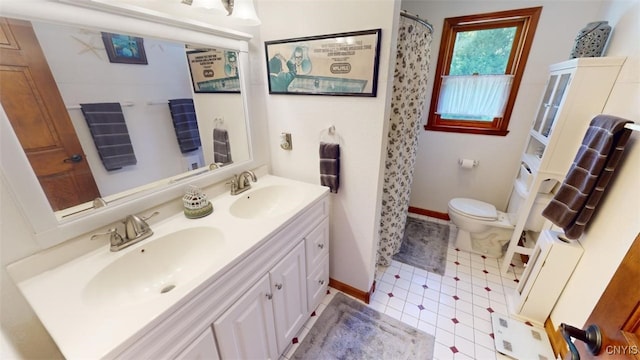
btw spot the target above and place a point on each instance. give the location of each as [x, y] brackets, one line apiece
[455, 308]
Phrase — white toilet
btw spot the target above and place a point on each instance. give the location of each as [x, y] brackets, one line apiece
[484, 230]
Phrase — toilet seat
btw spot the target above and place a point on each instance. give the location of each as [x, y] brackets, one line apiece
[474, 209]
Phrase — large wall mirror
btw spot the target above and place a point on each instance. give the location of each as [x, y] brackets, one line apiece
[157, 99]
[182, 105]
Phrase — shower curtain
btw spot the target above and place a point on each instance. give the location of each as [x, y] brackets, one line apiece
[407, 108]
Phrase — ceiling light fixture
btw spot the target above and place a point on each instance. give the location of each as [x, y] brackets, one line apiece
[244, 11]
[241, 10]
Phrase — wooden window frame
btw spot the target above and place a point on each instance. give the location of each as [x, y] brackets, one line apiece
[526, 21]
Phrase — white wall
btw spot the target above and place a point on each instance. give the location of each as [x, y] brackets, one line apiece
[360, 121]
[617, 220]
[438, 178]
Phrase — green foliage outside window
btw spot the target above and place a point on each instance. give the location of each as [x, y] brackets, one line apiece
[485, 52]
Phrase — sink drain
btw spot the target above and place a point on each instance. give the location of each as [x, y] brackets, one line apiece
[167, 288]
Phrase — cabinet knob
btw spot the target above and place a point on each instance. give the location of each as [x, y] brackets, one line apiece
[321, 282]
[321, 246]
[279, 286]
[269, 296]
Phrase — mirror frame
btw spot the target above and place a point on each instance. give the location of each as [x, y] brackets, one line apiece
[14, 166]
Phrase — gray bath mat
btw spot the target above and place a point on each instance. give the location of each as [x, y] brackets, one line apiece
[424, 245]
[348, 329]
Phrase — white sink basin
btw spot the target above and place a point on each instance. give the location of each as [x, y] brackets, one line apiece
[268, 201]
[156, 268]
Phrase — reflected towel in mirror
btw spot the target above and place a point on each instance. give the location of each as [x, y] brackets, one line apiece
[185, 124]
[110, 134]
[221, 146]
[330, 166]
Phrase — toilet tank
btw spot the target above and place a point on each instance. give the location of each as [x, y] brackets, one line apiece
[518, 195]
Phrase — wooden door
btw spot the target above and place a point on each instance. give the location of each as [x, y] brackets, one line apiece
[33, 104]
[617, 313]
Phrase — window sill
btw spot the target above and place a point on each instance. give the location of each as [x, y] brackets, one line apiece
[467, 130]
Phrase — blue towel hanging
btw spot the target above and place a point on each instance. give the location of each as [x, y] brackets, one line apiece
[110, 134]
[185, 124]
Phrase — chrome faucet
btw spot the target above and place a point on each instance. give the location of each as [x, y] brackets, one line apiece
[136, 229]
[240, 183]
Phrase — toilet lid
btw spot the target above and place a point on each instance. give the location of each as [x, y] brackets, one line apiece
[475, 208]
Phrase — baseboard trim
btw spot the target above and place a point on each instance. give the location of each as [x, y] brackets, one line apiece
[557, 341]
[431, 213]
[350, 290]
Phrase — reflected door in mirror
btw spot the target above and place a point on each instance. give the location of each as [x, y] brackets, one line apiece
[33, 104]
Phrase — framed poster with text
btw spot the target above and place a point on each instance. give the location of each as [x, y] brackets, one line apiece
[335, 64]
[214, 71]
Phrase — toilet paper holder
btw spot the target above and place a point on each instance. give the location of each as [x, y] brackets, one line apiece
[468, 163]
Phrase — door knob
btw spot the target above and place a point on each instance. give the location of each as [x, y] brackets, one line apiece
[75, 158]
[592, 337]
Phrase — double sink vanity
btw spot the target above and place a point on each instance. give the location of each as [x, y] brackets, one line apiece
[239, 283]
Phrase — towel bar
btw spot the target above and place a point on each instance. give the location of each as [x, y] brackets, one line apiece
[632, 126]
[330, 135]
[77, 107]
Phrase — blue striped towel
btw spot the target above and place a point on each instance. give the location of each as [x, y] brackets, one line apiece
[185, 123]
[110, 134]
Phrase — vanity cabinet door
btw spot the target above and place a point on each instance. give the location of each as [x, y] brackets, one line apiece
[246, 330]
[317, 284]
[317, 245]
[288, 284]
[204, 347]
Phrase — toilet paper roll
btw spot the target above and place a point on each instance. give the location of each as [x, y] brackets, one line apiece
[467, 163]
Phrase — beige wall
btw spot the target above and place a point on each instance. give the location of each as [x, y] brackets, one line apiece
[438, 177]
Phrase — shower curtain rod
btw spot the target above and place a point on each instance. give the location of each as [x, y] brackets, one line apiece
[416, 18]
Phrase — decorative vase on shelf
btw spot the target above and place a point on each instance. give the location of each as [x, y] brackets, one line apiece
[591, 40]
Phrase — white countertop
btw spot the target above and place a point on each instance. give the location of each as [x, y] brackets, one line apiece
[83, 329]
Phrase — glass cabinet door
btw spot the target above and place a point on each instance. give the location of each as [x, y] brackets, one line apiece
[555, 104]
[545, 103]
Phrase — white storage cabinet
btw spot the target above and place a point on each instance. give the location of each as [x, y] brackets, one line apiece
[550, 267]
[576, 91]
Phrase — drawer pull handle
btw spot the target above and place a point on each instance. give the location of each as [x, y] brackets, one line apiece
[321, 282]
[321, 246]
[279, 286]
[269, 296]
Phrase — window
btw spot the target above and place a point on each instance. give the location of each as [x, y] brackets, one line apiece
[480, 65]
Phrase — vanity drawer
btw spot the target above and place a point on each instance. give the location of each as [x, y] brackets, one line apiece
[317, 245]
[318, 283]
